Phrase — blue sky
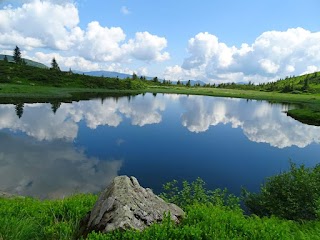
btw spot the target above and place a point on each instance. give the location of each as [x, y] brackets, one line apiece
[215, 41]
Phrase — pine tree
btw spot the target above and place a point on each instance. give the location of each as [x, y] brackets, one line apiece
[134, 76]
[5, 59]
[54, 65]
[19, 109]
[17, 55]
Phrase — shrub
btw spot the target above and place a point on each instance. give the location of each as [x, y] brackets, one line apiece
[293, 195]
[196, 193]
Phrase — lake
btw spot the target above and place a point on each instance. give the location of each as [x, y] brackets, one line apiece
[54, 150]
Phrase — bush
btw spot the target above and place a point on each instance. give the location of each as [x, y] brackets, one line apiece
[293, 195]
[196, 193]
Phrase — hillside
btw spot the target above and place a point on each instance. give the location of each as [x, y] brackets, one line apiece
[308, 83]
[28, 61]
[11, 73]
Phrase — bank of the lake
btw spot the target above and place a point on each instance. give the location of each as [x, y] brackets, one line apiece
[220, 218]
[308, 110]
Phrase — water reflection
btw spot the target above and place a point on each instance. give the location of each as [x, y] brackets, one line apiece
[50, 170]
[55, 149]
[260, 121]
[60, 121]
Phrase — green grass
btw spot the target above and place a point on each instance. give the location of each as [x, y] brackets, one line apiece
[28, 218]
[216, 222]
[309, 115]
[209, 215]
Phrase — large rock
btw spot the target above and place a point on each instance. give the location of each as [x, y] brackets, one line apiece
[7, 195]
[124, 204]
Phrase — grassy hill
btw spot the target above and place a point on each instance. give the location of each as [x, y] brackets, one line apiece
[30, 75]
[308, 83]
[28, 62]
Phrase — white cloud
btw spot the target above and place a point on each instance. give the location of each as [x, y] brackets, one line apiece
[41, 23]
[268, 66]
[124, 10]
[273, 55]
[146, 46]
[102, 43]
[55, 25]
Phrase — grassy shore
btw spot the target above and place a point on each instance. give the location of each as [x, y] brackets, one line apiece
[307, 111]
[209, 215]
[307, 105]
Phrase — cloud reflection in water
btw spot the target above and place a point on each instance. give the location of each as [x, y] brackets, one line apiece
[50, 169]
[260, 121]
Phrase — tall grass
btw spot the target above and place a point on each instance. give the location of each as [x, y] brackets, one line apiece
[209, 215]
[28, 218]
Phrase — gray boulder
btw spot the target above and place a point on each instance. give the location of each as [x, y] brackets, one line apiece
[124, 204]
[7, 195]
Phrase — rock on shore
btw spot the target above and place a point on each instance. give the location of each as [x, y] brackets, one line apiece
[124, 204]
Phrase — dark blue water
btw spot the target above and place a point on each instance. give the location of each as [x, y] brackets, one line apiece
[84, 145]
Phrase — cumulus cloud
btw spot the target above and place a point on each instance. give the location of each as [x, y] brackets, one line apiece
[50, 170]
[41, 24]
[274, 54]
[55, 25]
[146, 46]
[260, 122]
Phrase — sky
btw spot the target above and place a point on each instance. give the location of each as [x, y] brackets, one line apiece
[210, 40]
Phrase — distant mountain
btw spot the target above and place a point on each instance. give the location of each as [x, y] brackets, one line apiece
[29, 62]
[105, 74]
[193, 82]
[124, 75]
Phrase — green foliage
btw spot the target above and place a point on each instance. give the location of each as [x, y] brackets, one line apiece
[27, 218]
[196, 193]
[208, 216]
[305, 83]
[26, 75]
[291, 195]
[217, 222]
[309, 115]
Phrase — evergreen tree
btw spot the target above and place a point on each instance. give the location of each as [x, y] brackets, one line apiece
[5, 59]
[134, 76]
[19, 109]
[188, 83]
[54, 65]
[306, 83]
[17, 55]
[55, 106]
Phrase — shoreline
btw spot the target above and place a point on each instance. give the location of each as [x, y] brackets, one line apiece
[308, 110]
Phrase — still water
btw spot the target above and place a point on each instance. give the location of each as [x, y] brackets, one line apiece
[54, 150]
